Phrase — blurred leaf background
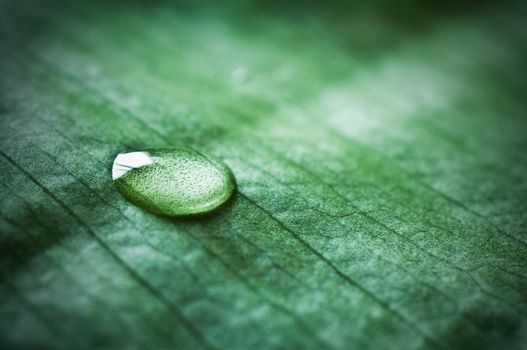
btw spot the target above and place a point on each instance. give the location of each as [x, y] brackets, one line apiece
[379, 149]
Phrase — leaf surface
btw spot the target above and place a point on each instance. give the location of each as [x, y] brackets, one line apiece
[380, 157]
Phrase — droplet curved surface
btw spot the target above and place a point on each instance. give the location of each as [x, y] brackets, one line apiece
[173, 182]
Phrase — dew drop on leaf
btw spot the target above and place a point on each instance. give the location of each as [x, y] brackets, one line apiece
[173, 182]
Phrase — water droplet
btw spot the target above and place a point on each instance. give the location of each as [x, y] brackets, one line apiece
[173, 182]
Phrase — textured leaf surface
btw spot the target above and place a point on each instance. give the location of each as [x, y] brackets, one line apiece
[379, 150]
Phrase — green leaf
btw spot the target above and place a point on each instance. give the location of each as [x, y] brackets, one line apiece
[379, 151]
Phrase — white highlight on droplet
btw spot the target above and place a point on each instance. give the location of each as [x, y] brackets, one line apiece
[125, 162]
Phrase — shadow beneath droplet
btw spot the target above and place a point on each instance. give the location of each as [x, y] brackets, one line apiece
[207, 217]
